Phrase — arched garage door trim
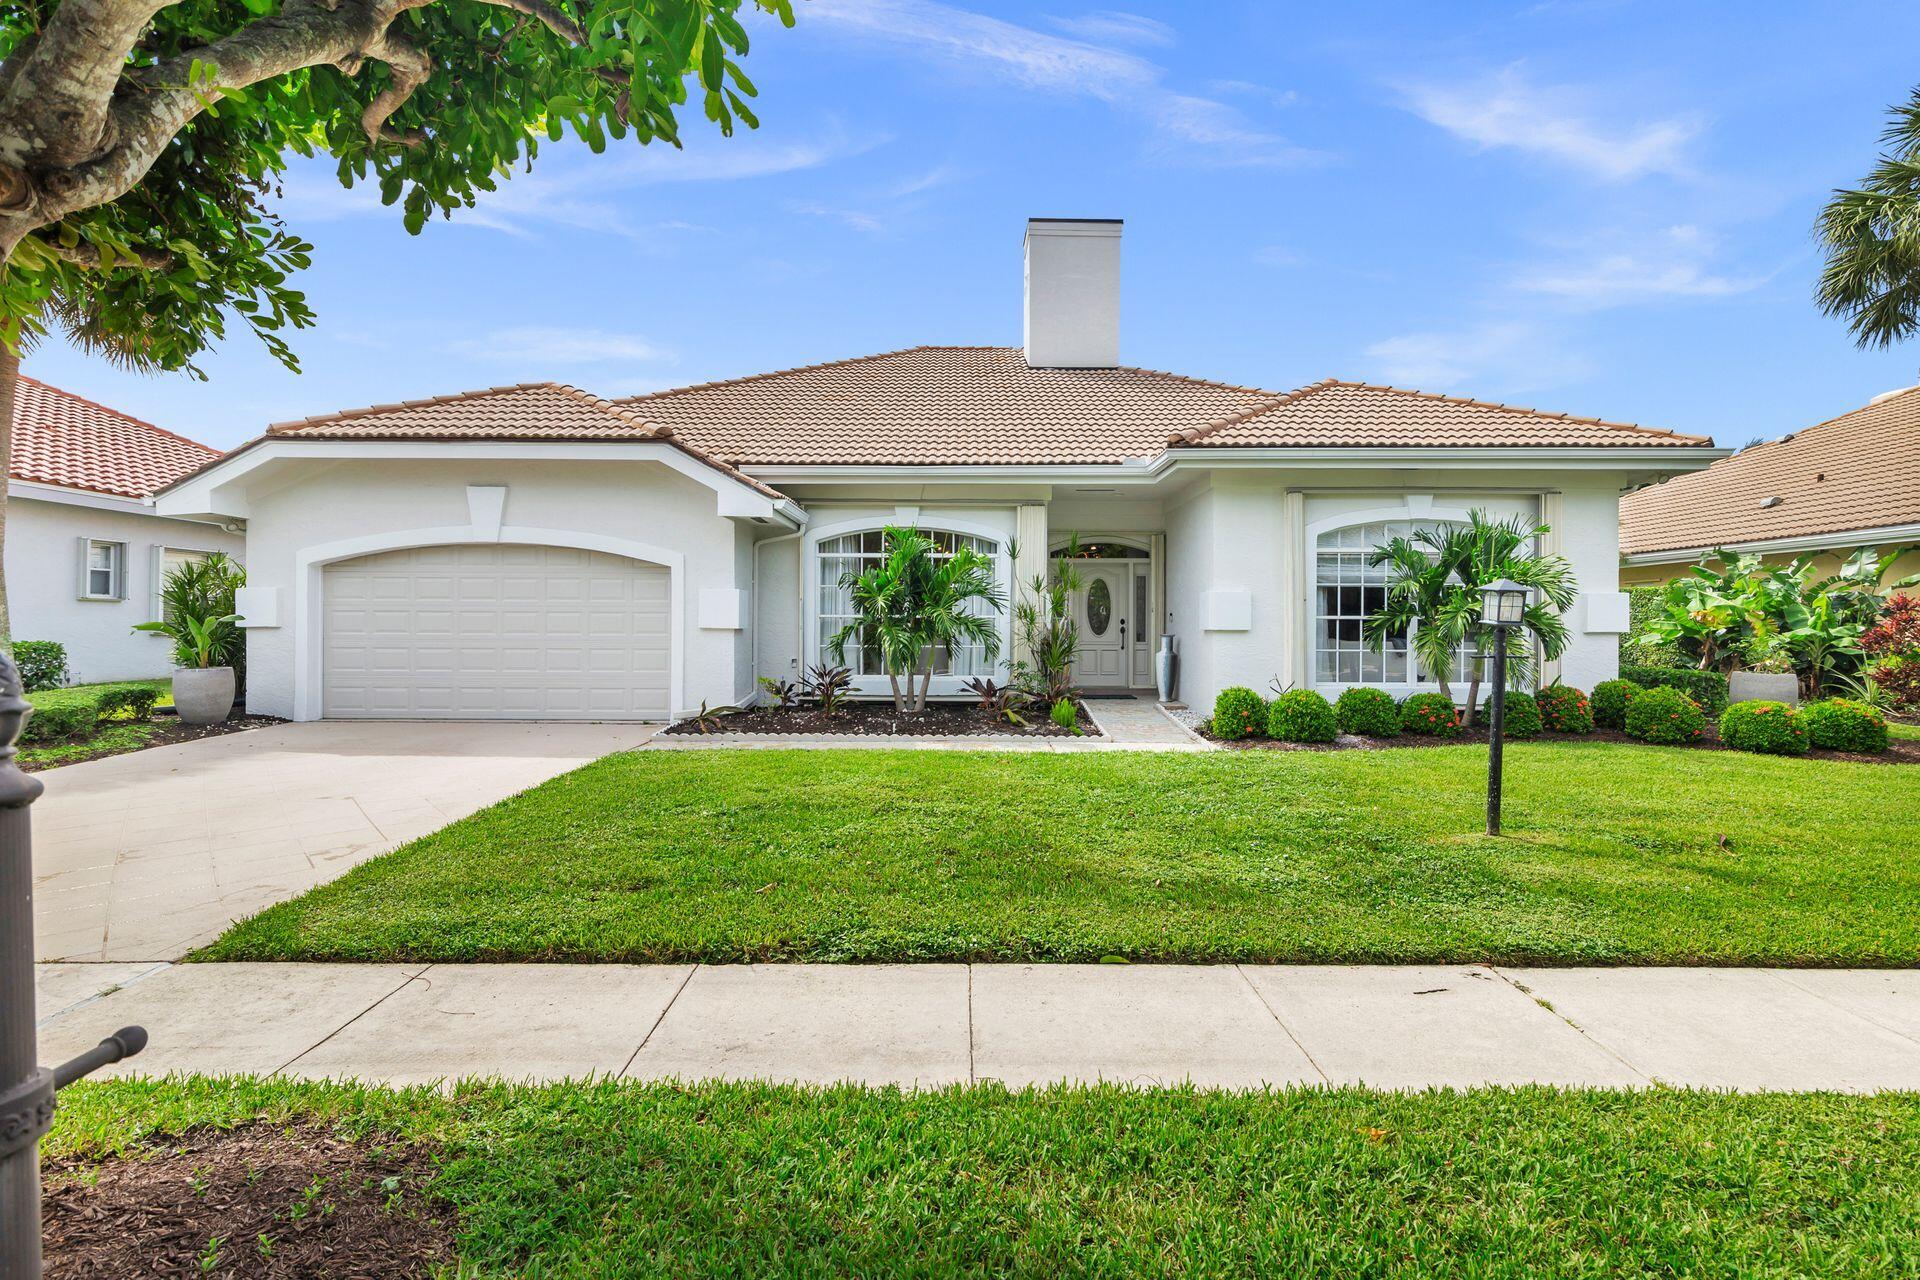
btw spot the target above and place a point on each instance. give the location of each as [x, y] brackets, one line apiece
[309, 608]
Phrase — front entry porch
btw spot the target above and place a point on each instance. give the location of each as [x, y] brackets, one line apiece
[1116, 608]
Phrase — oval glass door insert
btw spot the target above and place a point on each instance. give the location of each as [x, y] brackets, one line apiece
[1099, 607]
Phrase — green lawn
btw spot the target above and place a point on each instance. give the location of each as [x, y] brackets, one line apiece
[1615, 855]
[620, 1180]
[1904, 730]
[110, 737]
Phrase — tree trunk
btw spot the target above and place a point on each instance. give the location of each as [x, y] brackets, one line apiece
[899, 703]
[9, 380]
[926, 683]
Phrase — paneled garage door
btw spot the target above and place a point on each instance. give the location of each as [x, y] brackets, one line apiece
[495, 633]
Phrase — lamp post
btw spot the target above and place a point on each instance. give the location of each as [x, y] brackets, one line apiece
[1502, 604]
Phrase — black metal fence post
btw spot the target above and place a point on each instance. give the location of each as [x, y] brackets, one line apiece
[1496, 728]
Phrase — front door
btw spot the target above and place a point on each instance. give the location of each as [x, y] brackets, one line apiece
[1104, 605]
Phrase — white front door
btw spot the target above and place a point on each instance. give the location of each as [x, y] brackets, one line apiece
[1103, 609]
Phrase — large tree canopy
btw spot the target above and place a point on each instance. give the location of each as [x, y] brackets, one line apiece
[1871, 235]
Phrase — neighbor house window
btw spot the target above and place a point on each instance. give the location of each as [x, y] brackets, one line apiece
[166, 560]
[1347, 591]
[103, 570]
[855, 553]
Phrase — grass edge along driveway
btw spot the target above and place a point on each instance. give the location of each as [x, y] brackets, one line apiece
[1614, 855]
[613, 1180]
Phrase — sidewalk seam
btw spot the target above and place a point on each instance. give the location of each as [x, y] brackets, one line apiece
[973, 1076]
[1577, 1029]
[665, 1010]
[1785, 976]
[1281, 1023]
[404, 984]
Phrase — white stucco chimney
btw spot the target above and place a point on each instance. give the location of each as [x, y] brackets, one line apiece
[1073, 293]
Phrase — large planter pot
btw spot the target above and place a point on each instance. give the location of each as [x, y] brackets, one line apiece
[203, 695]
[1763, 686]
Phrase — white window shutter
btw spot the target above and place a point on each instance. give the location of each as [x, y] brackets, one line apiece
[80, 554]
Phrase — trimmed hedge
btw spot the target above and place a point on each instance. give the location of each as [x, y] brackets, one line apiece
[1708, 688]
[76, 712]
[1644, 604]
[1431, 715]
[1665, 715]
[1843, 724]
[1301, 715]
[1564, 709]
[1769, 728]
[1238, 712]
[1371, 712]
[1610, 701]
[1522, 715]
[42, 664]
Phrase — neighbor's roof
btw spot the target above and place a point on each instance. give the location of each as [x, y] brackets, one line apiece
[527, 411]
[61, 439]
[1860, 470]
[984, 405]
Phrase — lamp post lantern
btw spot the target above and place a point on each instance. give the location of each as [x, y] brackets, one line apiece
[1502, 605]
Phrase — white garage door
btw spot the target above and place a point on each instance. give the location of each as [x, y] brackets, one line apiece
[495, 633]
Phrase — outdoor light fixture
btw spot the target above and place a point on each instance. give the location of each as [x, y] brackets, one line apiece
[1503, 603]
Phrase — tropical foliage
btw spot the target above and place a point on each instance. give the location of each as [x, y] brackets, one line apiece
[1433, 595]
[1049, 638]
[1872, 274]
[197, 612]
[914, 605]
[1892, 646]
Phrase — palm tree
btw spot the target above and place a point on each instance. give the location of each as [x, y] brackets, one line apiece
[1871, 235]
[946, 612]
[884, 608]
[1433, 591]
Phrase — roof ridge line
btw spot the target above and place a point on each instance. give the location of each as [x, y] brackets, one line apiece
[338, 415]
[1193, 435]
[780, 373]
[118, 413]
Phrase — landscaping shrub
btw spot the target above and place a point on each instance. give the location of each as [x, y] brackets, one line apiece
[1893, 647]
[1770, 728]
[1645, 604]
[1665, 715]
[1431, 715]
[1843, 724]
[125, 701]
[1301, 715]
[1064, 715]
[1522, 718]
[1898, 677]
[61, 718]
[1238, 712]
[1564, 709]
[1611, 698]
[1708, 688]
[42, 663]
[1372, 712]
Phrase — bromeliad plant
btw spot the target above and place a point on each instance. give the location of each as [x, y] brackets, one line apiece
[913, 605]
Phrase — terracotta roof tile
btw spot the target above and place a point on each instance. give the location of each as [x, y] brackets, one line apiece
[1336, 414]
[60, 438]
[525, 411]
[1860, 470]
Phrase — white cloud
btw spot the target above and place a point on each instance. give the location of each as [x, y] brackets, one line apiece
[1187, 128]
[1677, 263]
[1506, 110]
[1248, 89]
[857, 219]
[1487, 359]
[1111, 26]
[544, 347]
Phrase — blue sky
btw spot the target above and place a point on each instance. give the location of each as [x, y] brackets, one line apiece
[1584, 206]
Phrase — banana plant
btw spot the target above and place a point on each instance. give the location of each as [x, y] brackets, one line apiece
[198, 640]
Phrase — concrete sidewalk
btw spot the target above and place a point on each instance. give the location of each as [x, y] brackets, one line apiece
[1234, 1026]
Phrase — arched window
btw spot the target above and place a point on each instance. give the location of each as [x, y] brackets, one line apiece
[1347, 591]
[855, 553]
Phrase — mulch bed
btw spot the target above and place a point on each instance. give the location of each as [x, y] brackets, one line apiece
[879, 719]
[280, 1201]
[171, 731]
[1899, 750]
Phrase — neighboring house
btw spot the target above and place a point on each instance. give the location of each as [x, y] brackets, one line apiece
[85, 550]
[1850, 482]
[533, 551]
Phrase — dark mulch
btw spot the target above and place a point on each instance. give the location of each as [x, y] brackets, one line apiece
[171, 730]
[1899, 750]
[257, 1201]
[870, 719]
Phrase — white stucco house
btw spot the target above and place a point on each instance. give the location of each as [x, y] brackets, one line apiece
[534, 551]
[85, 550]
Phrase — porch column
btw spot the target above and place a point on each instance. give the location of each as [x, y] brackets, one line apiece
[1030, 534]
[1552, 510]
[1292, 659]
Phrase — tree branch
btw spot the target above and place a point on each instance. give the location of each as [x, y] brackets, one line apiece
[548, 15]
[57, 106]
[86, 254]
[410, 68]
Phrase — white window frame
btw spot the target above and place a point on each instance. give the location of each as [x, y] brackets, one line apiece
[876, 685]
[117, 554]
[158, 573]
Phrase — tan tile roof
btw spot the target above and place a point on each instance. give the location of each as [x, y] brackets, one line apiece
[943, 405]
[60, 438]
[1336, 414]
[984, 405]
[526, 411]
[1860, 470]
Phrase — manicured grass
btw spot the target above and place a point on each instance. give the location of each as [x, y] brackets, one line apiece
[1903, 730]
[111, 738]
[1614, 855]
[616, 1180]
[73, 692]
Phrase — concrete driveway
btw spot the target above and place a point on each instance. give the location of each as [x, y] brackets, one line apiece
[142, 857]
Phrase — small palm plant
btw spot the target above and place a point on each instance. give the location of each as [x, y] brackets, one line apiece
[197, 612]
[912, 605]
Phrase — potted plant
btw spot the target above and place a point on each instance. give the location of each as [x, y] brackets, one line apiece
[198, 616]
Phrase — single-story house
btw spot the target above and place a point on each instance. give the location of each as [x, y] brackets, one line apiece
[535, 551]
[1830, 490]
[85, 550]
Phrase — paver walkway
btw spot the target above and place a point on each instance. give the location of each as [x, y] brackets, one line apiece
[146, 855]
[923, 1025]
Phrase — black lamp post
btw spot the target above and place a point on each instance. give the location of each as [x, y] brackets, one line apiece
[1502, 604]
